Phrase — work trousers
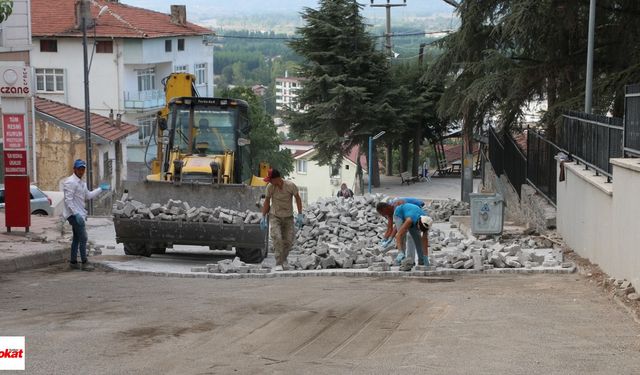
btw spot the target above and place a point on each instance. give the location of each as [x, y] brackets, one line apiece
[281, 237]
[413, 242]
[79, 241]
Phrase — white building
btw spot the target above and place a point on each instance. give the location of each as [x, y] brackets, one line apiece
[134, 49]
[320, 181]
[287, 89]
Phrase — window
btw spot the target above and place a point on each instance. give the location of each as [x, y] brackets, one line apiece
[293, 84]
[181, 69]
[180, 44]
[201, 73]
[104, 46]
[145, 127]
[302, 166]
[167, 45]
[48, 45]
[50, 80]
[304, 195]
[335, 171]
[346, 166]
[146, 79]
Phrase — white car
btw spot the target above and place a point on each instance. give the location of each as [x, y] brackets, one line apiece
[40, 202]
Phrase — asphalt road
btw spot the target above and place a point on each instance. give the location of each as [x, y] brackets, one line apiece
[103, 323]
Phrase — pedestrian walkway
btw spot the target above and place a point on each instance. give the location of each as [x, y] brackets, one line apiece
[41, 246]
[440, 188]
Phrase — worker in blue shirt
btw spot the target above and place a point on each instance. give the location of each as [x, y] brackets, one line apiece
[410, 216]
[391, 220]
[388, 210]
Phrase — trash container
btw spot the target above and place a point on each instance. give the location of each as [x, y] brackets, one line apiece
[487, 213]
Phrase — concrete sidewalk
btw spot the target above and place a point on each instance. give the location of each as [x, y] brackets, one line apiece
[439, 188]
[41, 246]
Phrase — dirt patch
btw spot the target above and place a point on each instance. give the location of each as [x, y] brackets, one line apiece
[147, 336]
[596, 276]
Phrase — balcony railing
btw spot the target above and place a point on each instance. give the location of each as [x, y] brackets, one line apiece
[144, 99]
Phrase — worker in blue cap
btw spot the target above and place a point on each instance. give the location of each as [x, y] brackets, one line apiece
[75, 194]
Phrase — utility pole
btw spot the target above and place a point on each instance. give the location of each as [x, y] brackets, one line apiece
[388, 6]
[590, 42]
[86, 18]
[421, 53]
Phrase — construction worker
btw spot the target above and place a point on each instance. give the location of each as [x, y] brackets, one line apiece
[391, 220]
[410, 216]
[278, 207]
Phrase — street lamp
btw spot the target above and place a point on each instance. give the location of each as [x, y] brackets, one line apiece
[371, 139]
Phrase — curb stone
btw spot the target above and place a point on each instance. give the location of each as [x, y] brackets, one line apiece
[31, 261]
[351, 273]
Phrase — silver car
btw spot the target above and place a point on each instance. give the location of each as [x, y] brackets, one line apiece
[40, 202]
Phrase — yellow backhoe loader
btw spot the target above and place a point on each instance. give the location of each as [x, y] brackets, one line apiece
[202, 158]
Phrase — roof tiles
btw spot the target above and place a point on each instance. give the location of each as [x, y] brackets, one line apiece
[57, 19]
[73, 116]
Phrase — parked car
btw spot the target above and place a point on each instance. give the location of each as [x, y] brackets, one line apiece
[40, 202]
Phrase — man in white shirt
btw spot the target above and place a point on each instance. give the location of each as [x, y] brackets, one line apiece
[75, 194]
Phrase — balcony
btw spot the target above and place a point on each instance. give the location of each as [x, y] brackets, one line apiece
[143, 100]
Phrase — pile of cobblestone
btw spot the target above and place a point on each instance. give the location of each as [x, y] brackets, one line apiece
[231, 266]
[453, 250]
[443, 210]
[345, 233]
[177, 210]
[341, 233]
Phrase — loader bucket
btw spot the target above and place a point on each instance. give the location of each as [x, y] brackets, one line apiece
[233, 196]
[146, 237]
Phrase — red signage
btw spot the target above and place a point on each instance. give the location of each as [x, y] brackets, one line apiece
[13, 132]
[15, 163]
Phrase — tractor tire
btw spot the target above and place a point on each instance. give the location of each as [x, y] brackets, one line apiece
[134, 248]
[251, 255]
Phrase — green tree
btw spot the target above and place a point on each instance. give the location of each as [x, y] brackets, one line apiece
[264, 138]
[6, 8]
[346, 78]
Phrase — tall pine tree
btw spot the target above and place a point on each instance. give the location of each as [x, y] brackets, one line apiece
[346, 79]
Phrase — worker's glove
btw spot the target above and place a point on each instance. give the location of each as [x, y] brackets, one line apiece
[299, 220]
[263, 223]
[386, 241]
[400, 257]
[79, 219]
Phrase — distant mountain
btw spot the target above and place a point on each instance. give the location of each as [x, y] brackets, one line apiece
[211, 9]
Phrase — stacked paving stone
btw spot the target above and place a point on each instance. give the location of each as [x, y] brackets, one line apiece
[443, 210]
[231, 266]
[454, 251]
[176, 210]
[345, 233]
[342, 233]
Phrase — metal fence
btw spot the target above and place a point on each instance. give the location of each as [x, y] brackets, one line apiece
[632, 120]
[541, 165]
[592, 140]
[506, 157]
[515, 163]
[496, 151]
